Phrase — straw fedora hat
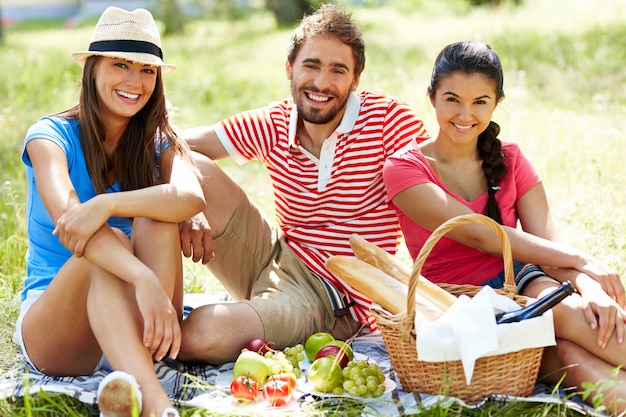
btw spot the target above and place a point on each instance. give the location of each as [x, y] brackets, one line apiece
[132, 36]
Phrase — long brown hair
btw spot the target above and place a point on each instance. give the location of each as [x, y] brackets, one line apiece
[135, 156]
[478, 58]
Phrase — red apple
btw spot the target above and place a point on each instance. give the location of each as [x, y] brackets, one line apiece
[344, 346]
[334, 351]
[260, 346]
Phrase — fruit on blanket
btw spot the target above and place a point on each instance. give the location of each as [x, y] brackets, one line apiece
[296, 351]
[258, 345]
[336, 352]
[362, 378]
[244, 389]
[286, 360]
[288, 377]
[325, 374]
[252, 365]
[295, 354]
[344, 346]
[315, 342]
[277, 392]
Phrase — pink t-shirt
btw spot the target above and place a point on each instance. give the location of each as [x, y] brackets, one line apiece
[450, 261]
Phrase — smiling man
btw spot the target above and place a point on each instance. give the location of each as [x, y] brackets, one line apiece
[324, 149]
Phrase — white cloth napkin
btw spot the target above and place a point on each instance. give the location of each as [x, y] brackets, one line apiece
[468, 331]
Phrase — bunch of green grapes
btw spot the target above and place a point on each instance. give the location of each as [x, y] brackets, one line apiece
[286, 360]
[362, 378]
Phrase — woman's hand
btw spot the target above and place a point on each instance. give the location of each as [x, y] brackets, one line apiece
[608, 278]
[79, 223]
[161, 328]
[601, 310]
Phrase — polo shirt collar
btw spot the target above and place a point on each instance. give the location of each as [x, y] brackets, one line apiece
[353, 107]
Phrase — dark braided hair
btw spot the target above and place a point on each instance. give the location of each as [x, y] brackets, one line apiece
[478, 58]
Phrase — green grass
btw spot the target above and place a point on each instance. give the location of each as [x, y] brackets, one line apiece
[565, 106]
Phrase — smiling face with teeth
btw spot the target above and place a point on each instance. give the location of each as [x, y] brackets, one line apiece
[322, 77]
[464, 105]
[123, 87]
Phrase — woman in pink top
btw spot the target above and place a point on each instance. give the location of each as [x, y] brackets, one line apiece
[467, 169]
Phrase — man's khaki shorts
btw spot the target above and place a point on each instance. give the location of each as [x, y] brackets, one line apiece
[256, 266]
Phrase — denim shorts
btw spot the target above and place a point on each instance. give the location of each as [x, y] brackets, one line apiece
[524, 274]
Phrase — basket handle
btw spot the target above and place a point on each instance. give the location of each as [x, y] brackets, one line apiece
[509, 279]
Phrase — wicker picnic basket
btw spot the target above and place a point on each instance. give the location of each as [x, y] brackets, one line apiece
[512, 373]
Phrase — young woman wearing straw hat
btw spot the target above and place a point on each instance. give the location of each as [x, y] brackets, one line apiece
[108, 183]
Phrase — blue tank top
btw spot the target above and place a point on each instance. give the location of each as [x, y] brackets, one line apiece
[45, 254]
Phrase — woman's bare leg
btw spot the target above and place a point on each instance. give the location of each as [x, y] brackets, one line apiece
[570, 323]
[573, 366]
[103, 315]
[577, 354]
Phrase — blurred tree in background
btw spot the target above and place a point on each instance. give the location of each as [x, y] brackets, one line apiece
[493, 2]
[171, 15]
[1, 24]
[288, 12]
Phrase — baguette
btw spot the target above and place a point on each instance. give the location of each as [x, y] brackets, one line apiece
[378, 286]
[391, 265]
[380, 258]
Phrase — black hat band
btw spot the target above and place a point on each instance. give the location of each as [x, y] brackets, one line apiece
[126, 46]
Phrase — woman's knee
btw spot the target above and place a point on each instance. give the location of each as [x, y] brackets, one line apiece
[570, 353]
[153, 236]
[149, 229]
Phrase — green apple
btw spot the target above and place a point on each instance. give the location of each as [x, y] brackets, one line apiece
[325, 374]
[315, 342]
[252, 365]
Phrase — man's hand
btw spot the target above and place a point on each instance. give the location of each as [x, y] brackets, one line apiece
[196, 240]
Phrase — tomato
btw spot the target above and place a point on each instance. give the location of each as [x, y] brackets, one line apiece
[276, 392]
[288, 377]
[244, 388]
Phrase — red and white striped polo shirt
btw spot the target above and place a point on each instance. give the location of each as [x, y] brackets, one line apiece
[320, 203]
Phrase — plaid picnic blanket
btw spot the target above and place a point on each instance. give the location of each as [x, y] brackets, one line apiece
[206, 386]
[200, 386]
[187, 383]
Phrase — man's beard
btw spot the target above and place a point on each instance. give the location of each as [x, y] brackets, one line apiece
[316, 116]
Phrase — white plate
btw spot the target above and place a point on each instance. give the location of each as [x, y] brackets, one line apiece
[224, 379]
